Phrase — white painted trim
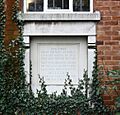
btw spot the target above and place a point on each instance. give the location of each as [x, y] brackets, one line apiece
[45, 6]
[71, 5]
[91, 54]
[91, 6]
[91, 39]
[91, 59]
[26, 40]
[27, 58]
[27, 64]
[24, 6]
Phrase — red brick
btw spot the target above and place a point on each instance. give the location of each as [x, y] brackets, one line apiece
[112, 33]
[100, 62]
[117, 8]
[106, 18]
[112, 53]
[117, 28]
[117, 17]
[100, 32]
[103, 8]
[111, 62]
[100, 52]
[104, 57]
[112, 22]
[99, 42]
[116, 67]
[109, 102]
[115, 37]
[116, 47]
[116, 57]
[103, 48]
[115, 13]
[108, 42]
[108, 67]
[106, 3]
[103, 37]
[104, 28]
[100, 23]
[111, 3]
[106, 97]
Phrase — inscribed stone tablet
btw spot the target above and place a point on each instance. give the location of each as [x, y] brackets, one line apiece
[56, 60]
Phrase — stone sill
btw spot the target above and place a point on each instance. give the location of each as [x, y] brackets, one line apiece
[62, 16]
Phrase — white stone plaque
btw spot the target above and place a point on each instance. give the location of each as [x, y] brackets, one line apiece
[56, 60]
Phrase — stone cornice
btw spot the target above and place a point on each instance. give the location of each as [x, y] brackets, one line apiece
[62, 16]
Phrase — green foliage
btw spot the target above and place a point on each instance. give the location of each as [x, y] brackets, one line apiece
[17, 99]
[63, 103]
[95, 93]
[2, 55]
[118, 102]
[115, 74]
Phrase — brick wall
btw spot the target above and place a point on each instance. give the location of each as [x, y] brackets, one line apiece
[108, 33]
[11, 31]
[108, 40]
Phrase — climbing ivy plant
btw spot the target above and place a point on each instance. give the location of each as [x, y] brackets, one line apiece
[15, 98]
[2, 55]
[115, 75]
[95, 93]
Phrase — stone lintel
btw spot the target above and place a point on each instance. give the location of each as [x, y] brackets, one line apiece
[34, 16]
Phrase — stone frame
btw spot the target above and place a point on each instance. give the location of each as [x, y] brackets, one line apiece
[59, 25]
